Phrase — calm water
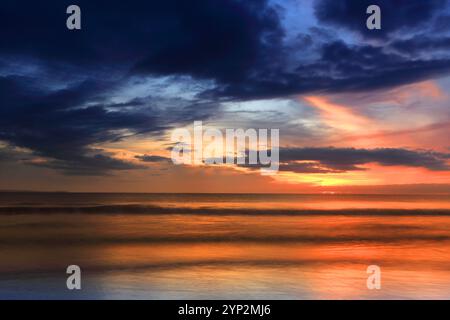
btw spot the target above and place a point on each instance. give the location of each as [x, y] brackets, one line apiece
[135, 246]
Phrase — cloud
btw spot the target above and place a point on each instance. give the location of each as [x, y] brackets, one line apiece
[339, 160]
[60, 90]
[421, 44]
[341, 68]
[307, 167]
[152, 158]
[240, 45]
[400, 15]
[97, 164]
[57, 126]
[322, 160]
[219, 39]
[11, 154]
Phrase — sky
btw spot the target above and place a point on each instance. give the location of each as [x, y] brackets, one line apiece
[92, 110]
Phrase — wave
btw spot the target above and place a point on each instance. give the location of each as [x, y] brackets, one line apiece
[280, 263]
[160, 210]
[270, 239]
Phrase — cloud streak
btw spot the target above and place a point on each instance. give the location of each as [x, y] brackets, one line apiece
[325, 160]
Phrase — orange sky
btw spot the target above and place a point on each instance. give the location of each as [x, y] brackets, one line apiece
[397, 118]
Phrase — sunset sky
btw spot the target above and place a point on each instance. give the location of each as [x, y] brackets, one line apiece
[93, 109]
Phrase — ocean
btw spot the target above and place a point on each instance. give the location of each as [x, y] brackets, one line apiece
[224, 246]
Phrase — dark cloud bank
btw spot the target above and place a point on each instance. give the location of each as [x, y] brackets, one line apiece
[328, 160]
[339, 160]
[238, 45]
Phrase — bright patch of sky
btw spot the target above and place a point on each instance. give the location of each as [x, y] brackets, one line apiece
[163, 87]
[294, 119]
[298, 18]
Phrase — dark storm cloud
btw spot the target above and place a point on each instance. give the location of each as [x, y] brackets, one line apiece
[55, 125]
[368, 67]
[356, 67]
[221, 40]
[350, 159]
[57, 103]
[341, 68]
[61, 120]
[63, 125]
[238, 44]
[214, 39]
[397, 15]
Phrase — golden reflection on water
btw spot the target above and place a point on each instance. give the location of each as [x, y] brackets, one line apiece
[230, 256]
